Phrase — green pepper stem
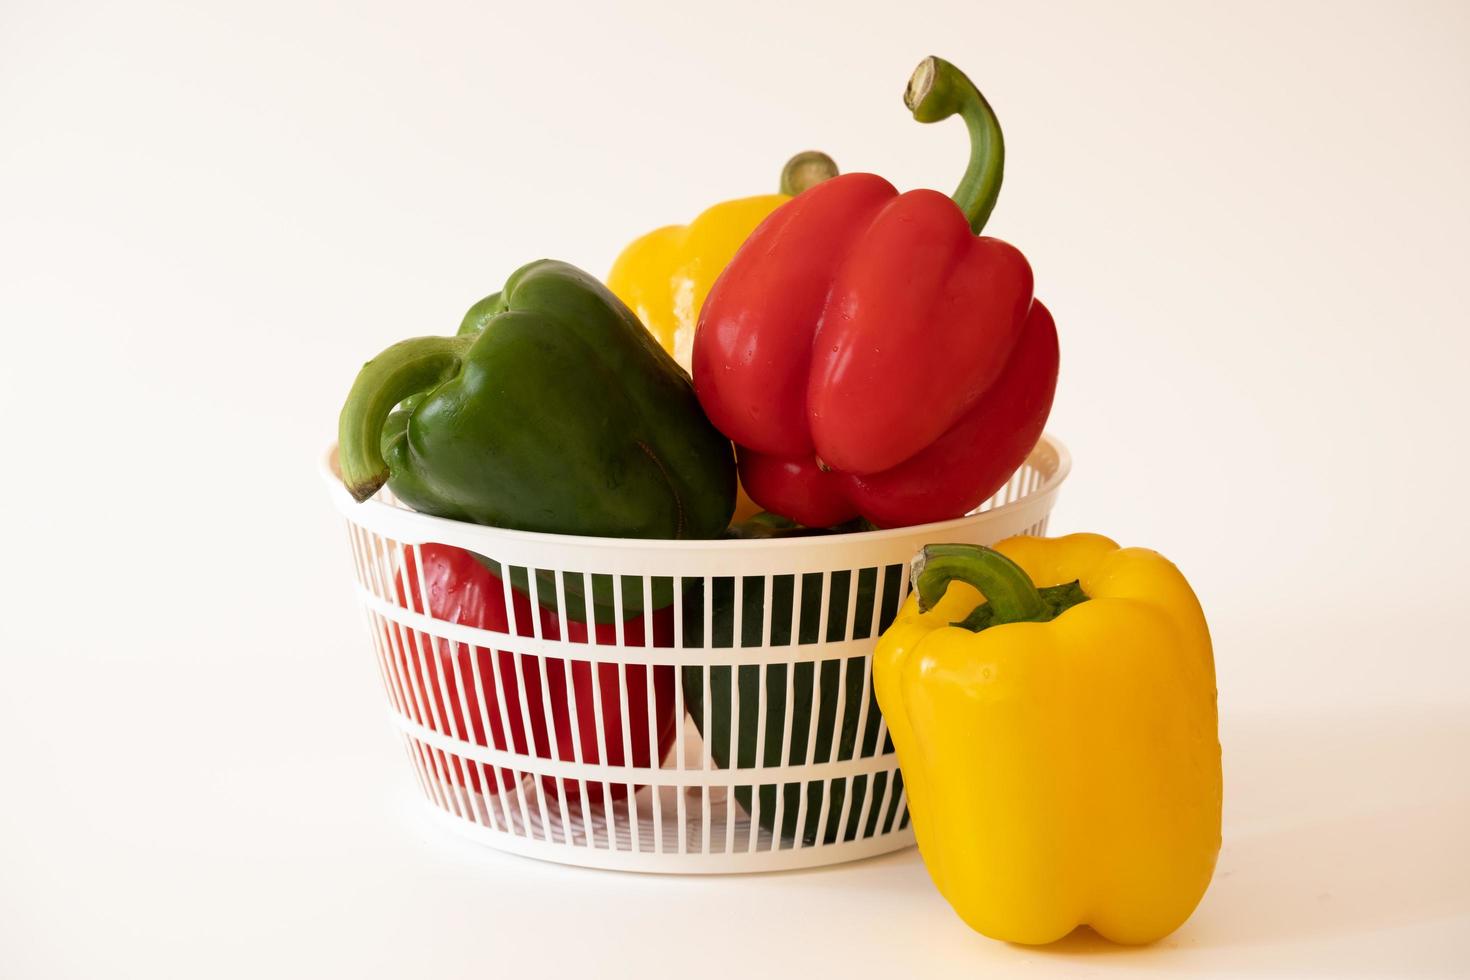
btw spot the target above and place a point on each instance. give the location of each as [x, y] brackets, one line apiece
[939, 90]
[1012, 595]
[406, 368]
[806, 169]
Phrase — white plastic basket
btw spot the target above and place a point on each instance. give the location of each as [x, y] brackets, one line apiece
[529, 736]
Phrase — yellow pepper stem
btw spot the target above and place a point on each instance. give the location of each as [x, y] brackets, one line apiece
[806, 169]
[1011, 596]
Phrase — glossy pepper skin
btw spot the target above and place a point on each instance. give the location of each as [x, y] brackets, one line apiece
[1063, 763]
[665, 275]
[457, 690]
[552, 410]
[869, 354]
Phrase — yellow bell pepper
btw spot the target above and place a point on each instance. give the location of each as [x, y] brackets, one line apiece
[1059, 746]
[665, 276]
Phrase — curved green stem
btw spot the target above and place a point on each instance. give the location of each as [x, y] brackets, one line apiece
[939, 90]
[807, 169]
[404, 369]
[1008, 590]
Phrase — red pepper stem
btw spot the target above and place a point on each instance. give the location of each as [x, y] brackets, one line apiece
[405, 369]
[939, 90]
[807, 169]
[1012, 596]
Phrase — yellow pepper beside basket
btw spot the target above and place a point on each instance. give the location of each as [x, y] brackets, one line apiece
[1059, 745]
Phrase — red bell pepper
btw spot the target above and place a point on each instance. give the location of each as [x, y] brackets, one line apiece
[869, 354]
[441, 692]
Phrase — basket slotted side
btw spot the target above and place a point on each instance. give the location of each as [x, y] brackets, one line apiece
[585, 743]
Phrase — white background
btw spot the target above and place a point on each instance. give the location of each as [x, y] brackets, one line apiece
[1249, 220]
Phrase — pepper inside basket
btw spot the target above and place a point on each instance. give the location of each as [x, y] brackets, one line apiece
[664, 706]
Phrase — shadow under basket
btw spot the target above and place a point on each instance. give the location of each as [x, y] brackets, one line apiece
[660, 706]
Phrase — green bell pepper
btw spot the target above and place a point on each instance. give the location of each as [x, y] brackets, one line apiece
[768, 525]
[815, 690]
[552, 409]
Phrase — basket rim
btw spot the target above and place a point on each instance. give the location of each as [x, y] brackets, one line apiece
[345, 504]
